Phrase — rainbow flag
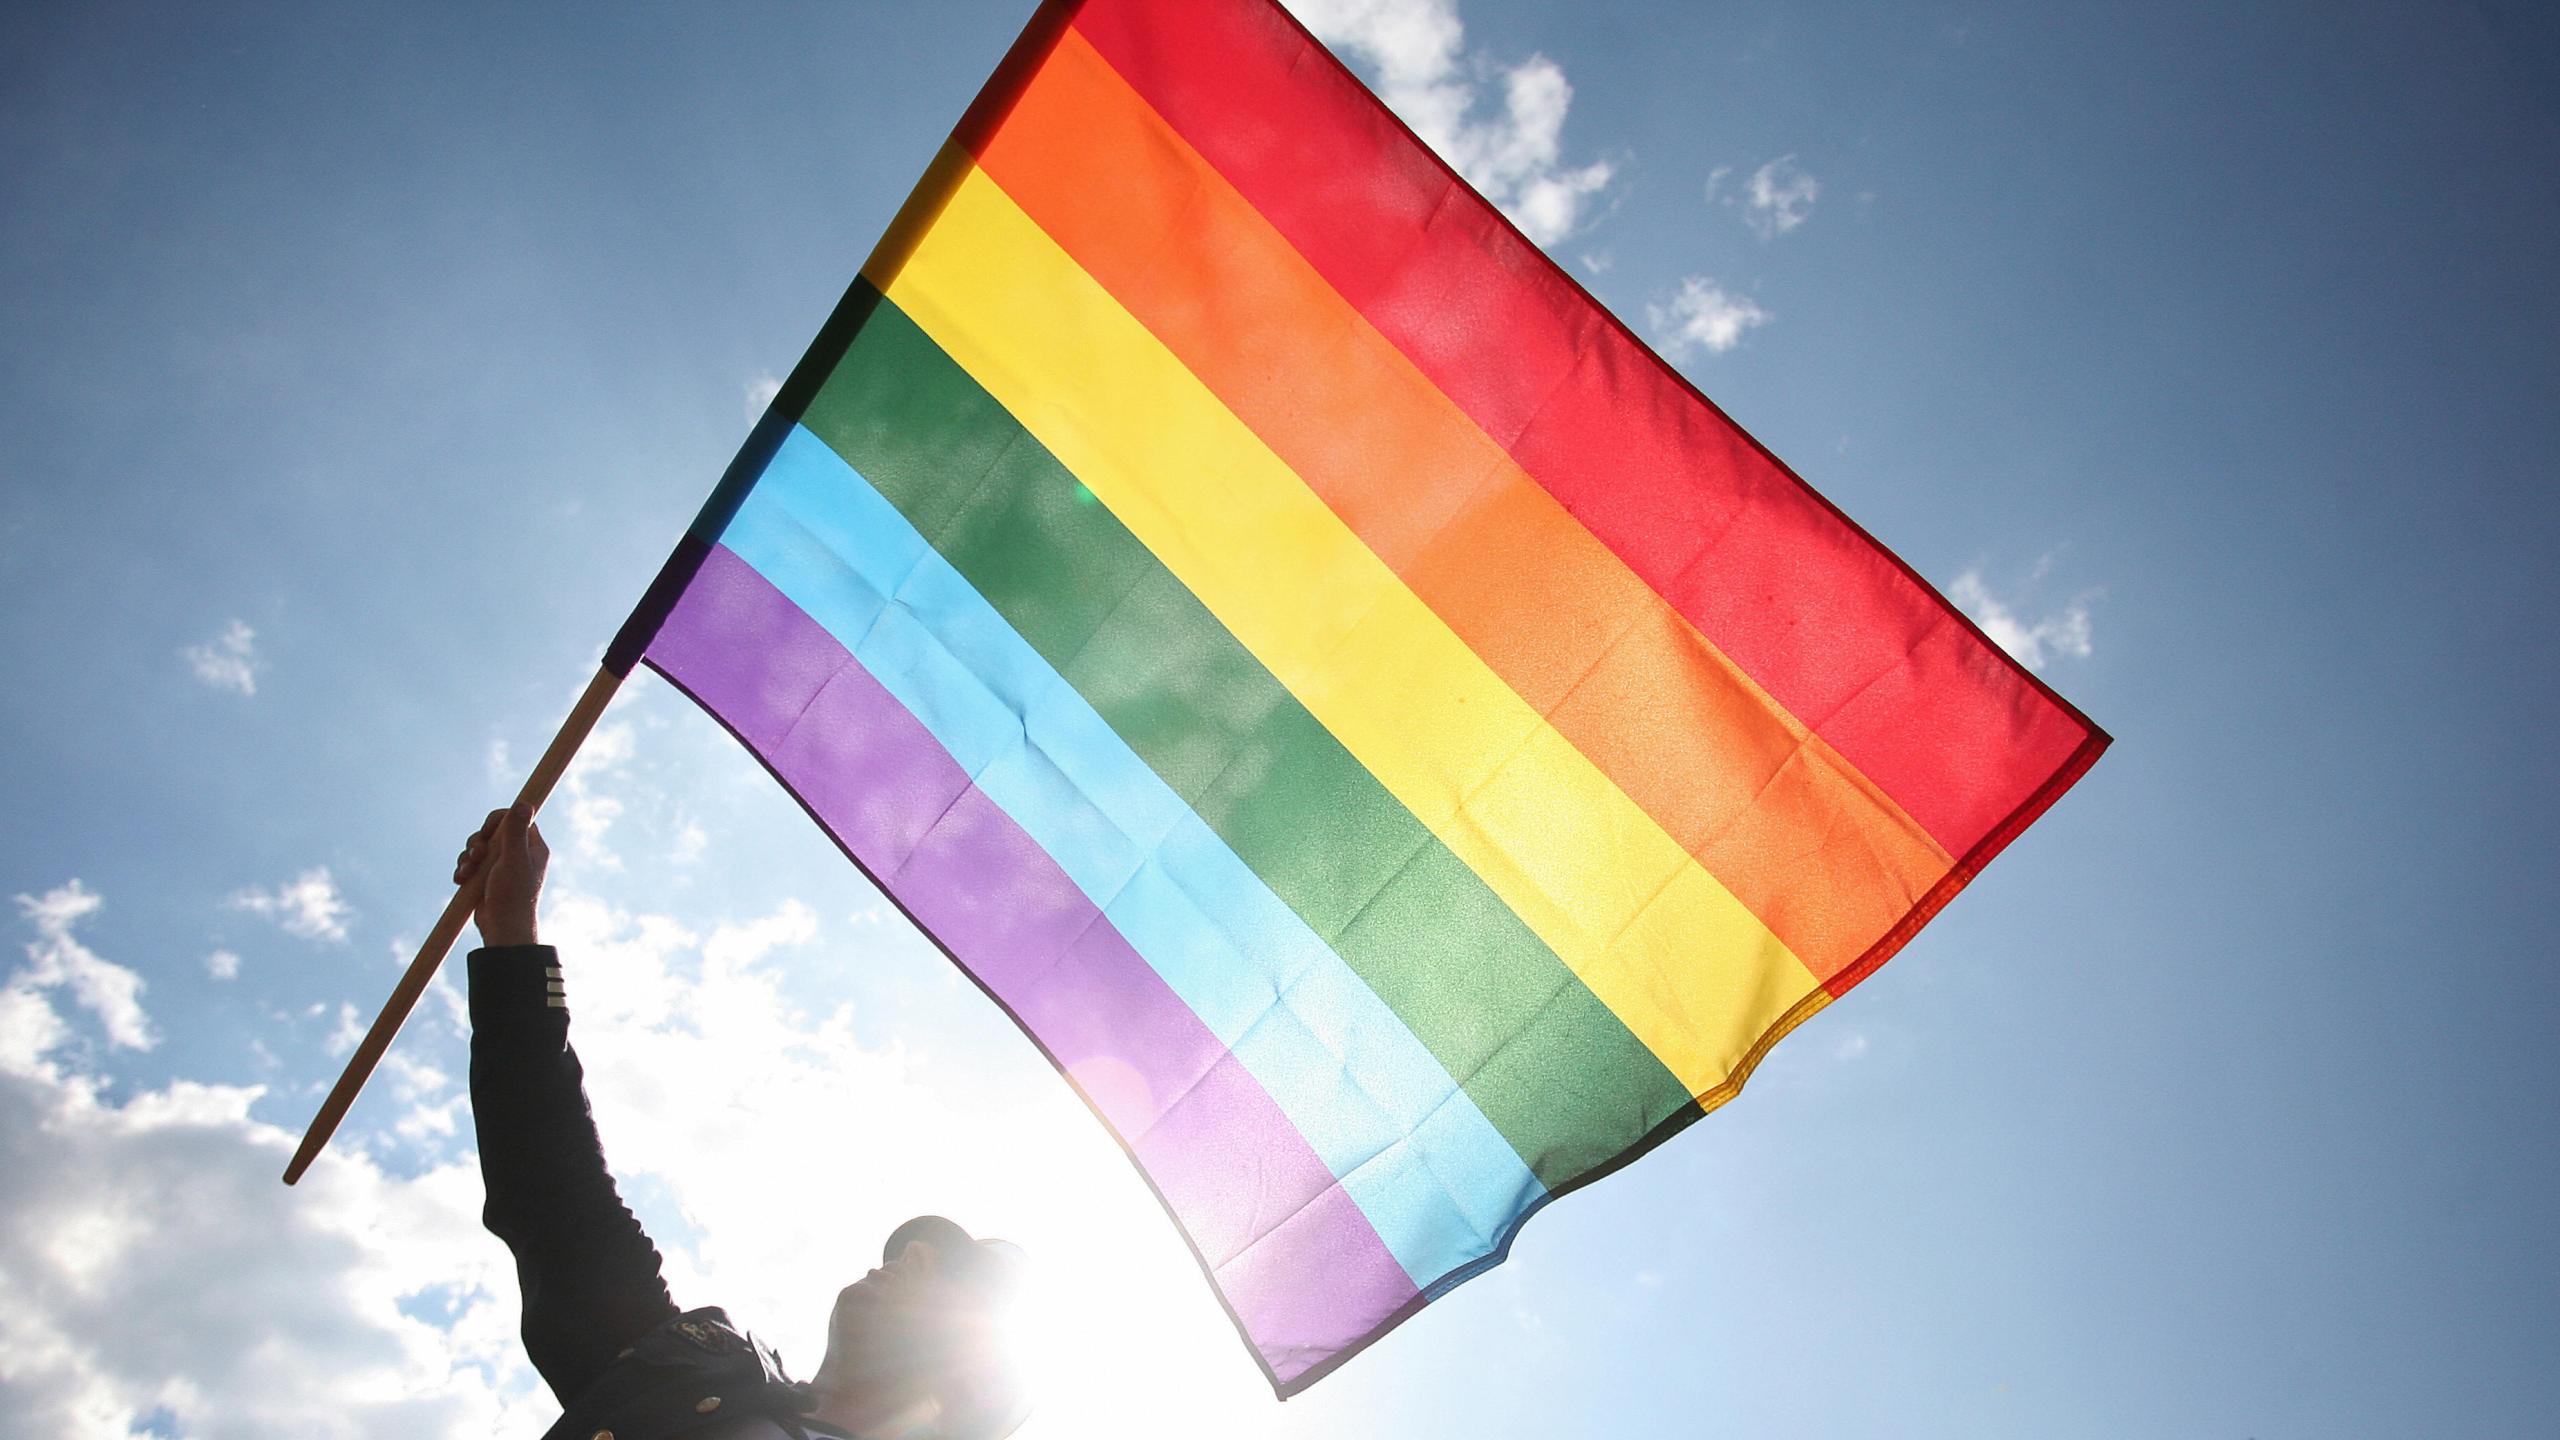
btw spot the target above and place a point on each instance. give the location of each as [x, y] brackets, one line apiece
[1395, 747]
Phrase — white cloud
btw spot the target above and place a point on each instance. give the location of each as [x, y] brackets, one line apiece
[344, 1035]
[57, 960]
[2033, 642]
[589, 802]
[1774, 199]
[29, 1030]
[160, 1278]
[222, 965]
[308, 905]
[1778, 198]
[761, 388]
[1515, 157]
[229, 661]
[433, 1106]
[1703, 316]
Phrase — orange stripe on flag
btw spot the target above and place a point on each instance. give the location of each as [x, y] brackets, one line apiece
[1812, 848]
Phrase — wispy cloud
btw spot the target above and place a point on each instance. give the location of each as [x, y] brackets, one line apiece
[229, 661]
[308, 905]
[761, 388]
[57, 959]
[613, 795]
[1774, 199]
[1512, 152]
[222, 965]
[150, 1206]
[344, 1034]
[1779, 197]
[2034, 642]
[590, 803]
[1703, 316]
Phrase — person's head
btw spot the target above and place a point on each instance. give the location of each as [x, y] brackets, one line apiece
[914, 1349]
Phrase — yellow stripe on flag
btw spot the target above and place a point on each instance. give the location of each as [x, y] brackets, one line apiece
[1683, 963]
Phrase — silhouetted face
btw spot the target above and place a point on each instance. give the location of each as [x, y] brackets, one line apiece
[916, 1345]
[890, 1330]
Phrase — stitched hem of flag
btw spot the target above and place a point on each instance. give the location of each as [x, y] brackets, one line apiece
[1974, 860]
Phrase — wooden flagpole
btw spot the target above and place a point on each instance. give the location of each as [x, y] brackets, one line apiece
[448, 928]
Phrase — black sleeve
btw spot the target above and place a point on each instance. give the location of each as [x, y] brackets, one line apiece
[589, 1274]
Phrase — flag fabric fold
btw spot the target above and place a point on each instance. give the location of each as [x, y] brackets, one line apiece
[1394, 746]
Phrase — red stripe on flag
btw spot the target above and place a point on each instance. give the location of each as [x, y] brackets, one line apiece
[1834, 626]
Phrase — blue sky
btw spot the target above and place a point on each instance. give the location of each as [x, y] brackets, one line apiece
[363, 361]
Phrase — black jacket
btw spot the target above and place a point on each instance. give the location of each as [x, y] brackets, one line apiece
[598, 1322]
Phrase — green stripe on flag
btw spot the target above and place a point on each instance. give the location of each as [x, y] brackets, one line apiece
[1550, 1065]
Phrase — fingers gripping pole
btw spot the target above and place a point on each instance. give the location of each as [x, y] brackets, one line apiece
[447, 929]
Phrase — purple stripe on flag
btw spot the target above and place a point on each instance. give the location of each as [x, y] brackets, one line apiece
[1298, 1264]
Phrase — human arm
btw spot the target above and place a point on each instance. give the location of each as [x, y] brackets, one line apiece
[589, 1273]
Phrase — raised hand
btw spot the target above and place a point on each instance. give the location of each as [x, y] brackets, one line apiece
[506, 859]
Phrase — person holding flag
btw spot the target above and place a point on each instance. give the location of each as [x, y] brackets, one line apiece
[912, 1350]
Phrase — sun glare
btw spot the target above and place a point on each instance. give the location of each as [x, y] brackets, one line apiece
[1117, 1329]
[1115, 1323]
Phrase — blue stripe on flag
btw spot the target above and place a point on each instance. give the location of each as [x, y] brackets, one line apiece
[1410, 1146]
